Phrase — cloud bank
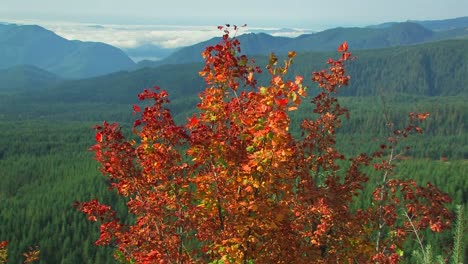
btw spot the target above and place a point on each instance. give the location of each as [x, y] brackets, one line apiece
[164, 36]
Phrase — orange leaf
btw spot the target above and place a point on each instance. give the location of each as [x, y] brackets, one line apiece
[291, 54]
[343, 47]
[298, 79]
[246, 167]
[250, 76]
[345, 55]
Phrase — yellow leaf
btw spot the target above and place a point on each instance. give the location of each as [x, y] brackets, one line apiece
[255, 184]
[260, 169]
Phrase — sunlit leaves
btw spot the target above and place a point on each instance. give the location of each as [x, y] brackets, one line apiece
[233, 185]
[3, 252]
[343, 47]
[32, 255]
[98, 137]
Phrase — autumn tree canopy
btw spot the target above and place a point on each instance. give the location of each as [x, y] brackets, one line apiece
[233, 185]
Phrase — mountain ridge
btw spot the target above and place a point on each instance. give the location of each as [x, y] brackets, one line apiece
[430, 69]
[398, 34]
[74, 59]
[37, 46]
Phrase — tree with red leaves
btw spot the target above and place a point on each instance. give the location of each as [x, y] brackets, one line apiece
[233, 185]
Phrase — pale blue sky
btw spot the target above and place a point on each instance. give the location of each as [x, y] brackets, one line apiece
[278, 13]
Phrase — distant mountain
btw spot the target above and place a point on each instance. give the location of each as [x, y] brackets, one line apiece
[184, 55]
[148, 52]
[26, 78]
[383, 25]
[256, 43]
[446, 24]
[252, 44]
[34, 45]
[396, 34]
[435, 25]
[361, 38]
[431, 69]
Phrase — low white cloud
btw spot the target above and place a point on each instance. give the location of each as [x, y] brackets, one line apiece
[282, 32]
[132, 36]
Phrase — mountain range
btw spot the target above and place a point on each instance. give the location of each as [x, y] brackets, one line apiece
[37, 46]
[430, 69]
[435, 25]
[391, 35]
[73, 59]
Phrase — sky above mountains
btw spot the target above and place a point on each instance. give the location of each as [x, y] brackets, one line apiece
[288, 13]
[176, 23]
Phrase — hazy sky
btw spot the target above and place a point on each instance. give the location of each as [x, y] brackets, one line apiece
[278, 13]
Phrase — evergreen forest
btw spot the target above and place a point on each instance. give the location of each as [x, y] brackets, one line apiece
[46, 128]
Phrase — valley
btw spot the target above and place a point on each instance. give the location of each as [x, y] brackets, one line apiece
[47, 114]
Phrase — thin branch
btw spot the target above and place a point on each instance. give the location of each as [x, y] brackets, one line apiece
[417, 235]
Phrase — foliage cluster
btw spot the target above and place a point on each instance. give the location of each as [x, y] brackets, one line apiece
[233, 184]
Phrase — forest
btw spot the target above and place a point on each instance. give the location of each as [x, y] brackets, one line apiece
[45, 164]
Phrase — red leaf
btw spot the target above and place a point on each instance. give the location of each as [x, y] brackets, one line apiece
[281, 101]
[345, 55]
[99, 137]
[136, 109]
[343, 47]
[193, 121]
[137, 123]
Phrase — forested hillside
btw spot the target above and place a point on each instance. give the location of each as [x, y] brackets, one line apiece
[24, 78]
[432, 69]
[46, 128]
